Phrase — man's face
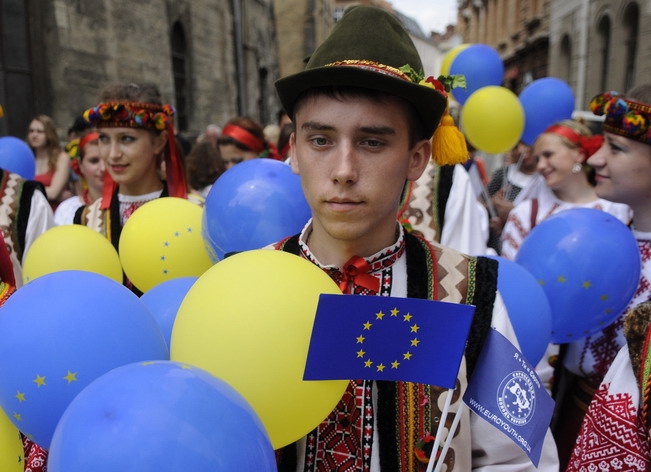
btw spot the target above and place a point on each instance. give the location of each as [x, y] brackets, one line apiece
[353, 157]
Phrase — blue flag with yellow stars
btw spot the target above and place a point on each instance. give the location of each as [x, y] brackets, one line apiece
[359, 337]
[506, 391]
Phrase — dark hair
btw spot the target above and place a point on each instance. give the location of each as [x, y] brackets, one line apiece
[248, 124]
[145, 92]
[415, 127]
[203, 165]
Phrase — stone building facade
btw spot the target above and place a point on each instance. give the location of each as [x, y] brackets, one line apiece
[598, 45]
[212, 59]
[593, 45]
[517, 29]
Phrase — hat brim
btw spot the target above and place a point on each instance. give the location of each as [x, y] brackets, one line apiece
[428, 102]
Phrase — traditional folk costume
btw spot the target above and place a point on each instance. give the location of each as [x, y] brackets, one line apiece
[379, 426]
[109, 214]
[441, 206]
[390, 418]
[611, 377]
[25, 214]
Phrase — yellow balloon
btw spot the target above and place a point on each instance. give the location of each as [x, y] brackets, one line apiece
[492, 119]
[248, 320]
[71, 247]
[450, 56]
[12, 458]
[161, 241]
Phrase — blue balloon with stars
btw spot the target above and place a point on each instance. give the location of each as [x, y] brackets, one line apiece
[163, 416]
[60, 332]
[588, 264]
[16, 156]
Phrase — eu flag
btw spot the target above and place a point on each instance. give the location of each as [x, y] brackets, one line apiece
[506, 391]
[388, 338]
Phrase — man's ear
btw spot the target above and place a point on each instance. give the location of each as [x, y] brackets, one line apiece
[419, 157]
[292, 153]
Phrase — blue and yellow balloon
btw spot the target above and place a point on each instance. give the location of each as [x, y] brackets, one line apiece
[566, 254]
[60, 332]
[162, 241]
[71, 247]
[251, 205]
[248, 320]
[492, 119]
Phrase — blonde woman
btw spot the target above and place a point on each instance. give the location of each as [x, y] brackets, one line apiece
[52, 162]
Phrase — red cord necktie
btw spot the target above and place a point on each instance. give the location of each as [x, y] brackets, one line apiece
[355, 271]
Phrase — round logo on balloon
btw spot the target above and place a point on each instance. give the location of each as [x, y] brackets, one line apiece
[252, 205]
[588, 264]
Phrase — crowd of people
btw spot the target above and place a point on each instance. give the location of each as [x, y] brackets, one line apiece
[388, 219]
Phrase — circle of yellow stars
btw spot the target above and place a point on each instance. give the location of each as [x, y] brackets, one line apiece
[414, 342]
[39, 381]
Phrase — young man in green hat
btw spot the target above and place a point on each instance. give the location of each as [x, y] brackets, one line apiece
[363, 126]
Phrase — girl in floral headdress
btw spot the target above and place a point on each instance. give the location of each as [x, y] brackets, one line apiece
[136, 139]
[137, 145]
[618, 419]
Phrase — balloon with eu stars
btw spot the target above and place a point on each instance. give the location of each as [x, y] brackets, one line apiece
[162, 241]
[163, 416]
[248, 320]
[588, 264]
[251, 205]
[60, 332]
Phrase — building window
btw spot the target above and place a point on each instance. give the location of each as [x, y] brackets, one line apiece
[565, 69]
[180, 74]
[631, 26]
[603, 33]
[16, 73]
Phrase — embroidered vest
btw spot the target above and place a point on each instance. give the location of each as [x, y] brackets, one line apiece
[15, 204]
[424, 200]
[406, 411]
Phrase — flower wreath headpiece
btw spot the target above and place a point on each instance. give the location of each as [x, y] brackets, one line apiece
[130, 115]
[147, 116]
[624, 117]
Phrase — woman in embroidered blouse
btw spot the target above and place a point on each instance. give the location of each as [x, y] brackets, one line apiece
[52, 162]
[136, 137]
[561, 152]
[619, 412]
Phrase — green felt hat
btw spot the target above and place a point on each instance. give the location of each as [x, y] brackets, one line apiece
[367, 48]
